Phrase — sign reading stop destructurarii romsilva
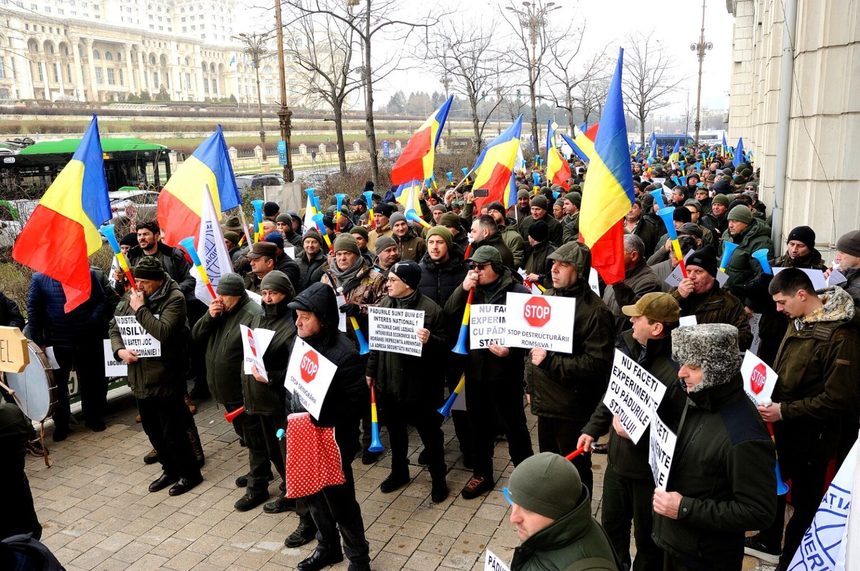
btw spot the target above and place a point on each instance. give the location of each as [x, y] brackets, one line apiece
[544, 322]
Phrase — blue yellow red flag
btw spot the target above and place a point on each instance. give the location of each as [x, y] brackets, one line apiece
[416, 160]
[557, 169]
[494, 167]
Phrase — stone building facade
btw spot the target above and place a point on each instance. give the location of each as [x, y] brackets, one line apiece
[823, 125]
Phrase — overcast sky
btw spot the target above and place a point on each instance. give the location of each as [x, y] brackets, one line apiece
[609, 23]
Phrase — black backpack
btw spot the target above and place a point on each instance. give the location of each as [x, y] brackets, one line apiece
[23, 553]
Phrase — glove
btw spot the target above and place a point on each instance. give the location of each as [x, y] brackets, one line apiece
[351, 309]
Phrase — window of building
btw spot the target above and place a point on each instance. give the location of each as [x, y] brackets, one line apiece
[99, 75]
[96, 54]
[121, 79]
[56, 68]
[111, 77]
[2, 68]
[205, 85]
[108, 56]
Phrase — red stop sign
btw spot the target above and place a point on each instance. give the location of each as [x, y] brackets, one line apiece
[758, 377]
[309, 366]
[536, 311]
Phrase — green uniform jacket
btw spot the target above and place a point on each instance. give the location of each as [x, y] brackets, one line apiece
[717, 306]
[411, 247]
[222, 340]
[512, 239]
[743, 270]
[573, 542]
[270, 398]
[570, 223]
[157, 376]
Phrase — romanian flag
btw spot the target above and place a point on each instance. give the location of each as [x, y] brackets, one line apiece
[495, 167]
[416, 160]
[557, 169]
[63, 230]
[180, 204]
[608, 192]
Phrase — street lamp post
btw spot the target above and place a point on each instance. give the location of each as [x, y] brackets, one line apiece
[700, 49]
[284, 113]
[255, 47]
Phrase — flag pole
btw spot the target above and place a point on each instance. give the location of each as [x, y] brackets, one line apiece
[244, 225]
[464, 179]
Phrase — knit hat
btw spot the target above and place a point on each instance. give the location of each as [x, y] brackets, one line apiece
[361, 231]
[546, 484]
[694, 202]
[149, 268]
[539, 231]
[522, 194]
[129, 239]
[705, 258]
[270, 208]
[721, 199]
[384, 209]
[408, 271]
[682, 215]
[232, 236]
[263, 249]
[803, 234]
[849, 243]
[383, 243]
[275, 238]
[439, 208]
[276, 280]
[360, 201]
[741, 213]
[486, 254]
[395, 218]
[656, 306]
[443, 232]
[314, 234]
[711, 346]
[230, 284]
[497, 206]
[284, 217]
[346, 242]
[540, 201]
[451, 220]
[575, 198]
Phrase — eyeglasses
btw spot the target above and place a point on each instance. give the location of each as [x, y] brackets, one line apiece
[479, 267]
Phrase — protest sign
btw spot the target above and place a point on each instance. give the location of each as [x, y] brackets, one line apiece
[633, 394]
[395, 330]
[113, 367]
[254, 345]
[759, 379]
[14, 355]
[135, 338]
[661, 450]
[493, 563]
[486, 325]
[309, 376]
[540, 321]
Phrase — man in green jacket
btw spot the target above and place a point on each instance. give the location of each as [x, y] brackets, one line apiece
[219, 333]
[551, 512]
[157, 377]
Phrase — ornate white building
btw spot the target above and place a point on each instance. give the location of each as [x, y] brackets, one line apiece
[109, 50]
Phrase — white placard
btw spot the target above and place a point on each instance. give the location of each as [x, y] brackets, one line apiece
[255, 297]
[540, 321]
[687, 321]
[135, 338]
[593, 283]
[341, 316]
[674, 279]
[755, 321]
[759, 379]
[836, 278]
[633, 395]
[290, 251]
[661, 450]
[309, 376]
[113, 368]
[486, 325]
[254, 345]
[815, 276]
[722, 278]
[52, 357]
[493, 563]
[395, 330]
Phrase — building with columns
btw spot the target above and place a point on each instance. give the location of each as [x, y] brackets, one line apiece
[111, 50]
[793, 102]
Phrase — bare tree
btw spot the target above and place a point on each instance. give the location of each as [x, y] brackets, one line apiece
[465, 54]
[367, 21]
[647, 79]
[561, 70]
[323, 50]
[592, 96]
[256, 50]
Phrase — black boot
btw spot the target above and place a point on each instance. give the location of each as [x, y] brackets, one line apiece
[196, 445]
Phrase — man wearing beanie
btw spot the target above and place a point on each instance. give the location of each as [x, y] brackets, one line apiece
[723, 481]
[750, 235]
[847, 260]
[551, 513]
[507, 229]
[565, 388]
[800, 251]
[717, 220]
[381, 215]
[700, 295]
[540, 211]
[628, 485]
[410, 387]
[361, 236]
[522, 209]
[570, 222]
[284, 224]
[387, 254]
[158, 382]
[410, 246]
[493, 374]
[312, 261]
[218, 331]
[637, 224]
[454, 224]
[536, 264]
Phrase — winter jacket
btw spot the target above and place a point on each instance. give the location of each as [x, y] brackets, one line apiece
[16, 430]
[515, 243]
[10, 315]
[348, 397]
[366, 290]
[48, 322]
[408, 379]
[716, 224]
[744, 270]
[289, 266]
[630, 460]
[270, 398]
[852, 286]
[662, 270]
[817, 386]
[648, 232]
[638, 281]
[410, 246]
[164, 317]
[174, 263]
[724, 467]
[376, 234]
[556, 231]
[536, 262]
[222, 339]
[567, 543]
[570, 223]
[440, 279]
[811, 261]
[311, 269]
[496, 241]
[717, 306]
[569, 385]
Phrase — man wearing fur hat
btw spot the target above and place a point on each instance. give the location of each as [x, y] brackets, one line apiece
[551, 513]
[722, 481]
[410, 245]
[815, 402]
